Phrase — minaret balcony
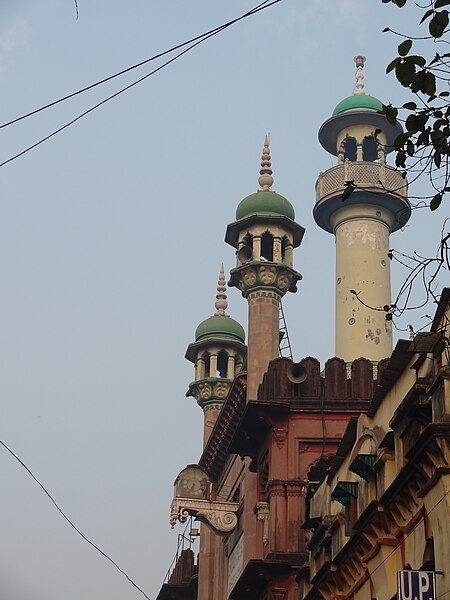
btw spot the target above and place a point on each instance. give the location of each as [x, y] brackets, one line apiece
[375, 184]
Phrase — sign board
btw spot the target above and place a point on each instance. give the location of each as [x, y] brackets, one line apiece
[416, 585]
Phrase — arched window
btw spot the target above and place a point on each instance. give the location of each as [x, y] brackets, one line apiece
[350, 148]
[222, 364]
[248, 240]
[370, 149]
[267, 246]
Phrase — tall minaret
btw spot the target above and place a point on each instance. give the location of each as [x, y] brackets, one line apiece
[218, 354]
[360, 136]
[264, 235]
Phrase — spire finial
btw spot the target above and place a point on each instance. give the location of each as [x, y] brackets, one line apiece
[221, 297]
[265, 175]
[359, 87]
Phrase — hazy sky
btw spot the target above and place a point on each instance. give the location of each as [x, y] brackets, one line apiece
[111, 239]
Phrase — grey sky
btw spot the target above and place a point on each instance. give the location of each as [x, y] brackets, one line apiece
[111, 238]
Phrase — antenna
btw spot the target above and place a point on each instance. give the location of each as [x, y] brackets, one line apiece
[285, 342]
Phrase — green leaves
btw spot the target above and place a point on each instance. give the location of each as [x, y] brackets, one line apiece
[425, 82]
[436, 201]
[391, 66]
[438, 23]
[349, 189]
[405, 72]
[390, 112]
[426, 119]
[400, 159]
[428, 14]
[404, 47]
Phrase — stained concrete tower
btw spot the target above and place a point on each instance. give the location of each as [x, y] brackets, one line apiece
[264, 235]
[218, 354]
[360, 136]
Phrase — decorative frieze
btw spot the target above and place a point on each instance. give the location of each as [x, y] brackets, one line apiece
[209, 390]
[268, 277]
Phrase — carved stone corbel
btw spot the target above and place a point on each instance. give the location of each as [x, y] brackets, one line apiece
[220, 517]
[262, 513]
[279, 434]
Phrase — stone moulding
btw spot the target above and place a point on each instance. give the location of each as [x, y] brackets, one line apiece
[267, 278]
[220, 517]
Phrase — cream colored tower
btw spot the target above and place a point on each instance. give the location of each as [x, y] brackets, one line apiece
[360, 136]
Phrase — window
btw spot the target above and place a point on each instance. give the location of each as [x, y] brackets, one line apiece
[267, 246]
[222, 364]
[207, 363]
[370, 149]
[350, 148]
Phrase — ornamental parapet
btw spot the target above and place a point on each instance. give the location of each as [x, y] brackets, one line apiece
[365, 175]
[265, 279]
[374, 184]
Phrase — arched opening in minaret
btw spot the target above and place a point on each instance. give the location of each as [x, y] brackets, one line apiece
[284, 243]
[267, 246]
[222, 364]
[370, 149]
[207, 364]
[350, 148]
[248, 240]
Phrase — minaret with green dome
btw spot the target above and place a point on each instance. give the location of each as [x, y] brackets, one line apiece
[218, 354]
[360, 136]
[264, 235]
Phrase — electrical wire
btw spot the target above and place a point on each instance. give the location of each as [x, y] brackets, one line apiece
[258, 8]
[202, 36]
[63, 514]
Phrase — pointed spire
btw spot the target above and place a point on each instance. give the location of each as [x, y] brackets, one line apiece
[221, 297]
[265, 175]
[359, 87]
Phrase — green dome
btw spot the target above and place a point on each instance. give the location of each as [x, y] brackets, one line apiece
[220, 326]
[267, 203]
[358, 101]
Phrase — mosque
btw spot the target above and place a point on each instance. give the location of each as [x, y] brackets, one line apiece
[320, 482]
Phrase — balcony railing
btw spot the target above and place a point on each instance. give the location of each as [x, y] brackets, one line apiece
[365, 175]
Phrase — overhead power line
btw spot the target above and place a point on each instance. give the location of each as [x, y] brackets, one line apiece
[63, 514]
[199, 38]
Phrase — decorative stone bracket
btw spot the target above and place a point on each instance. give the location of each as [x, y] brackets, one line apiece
[262, 512]
[220, 517]
[269, 277]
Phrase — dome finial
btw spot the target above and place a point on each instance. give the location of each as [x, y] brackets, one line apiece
[359, 87]
[265, 175]
[221, 297]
